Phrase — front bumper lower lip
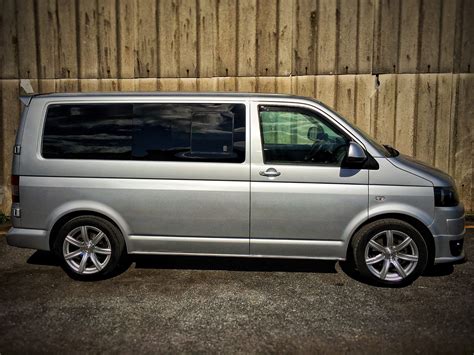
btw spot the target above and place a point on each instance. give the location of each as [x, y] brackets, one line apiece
[449, 248]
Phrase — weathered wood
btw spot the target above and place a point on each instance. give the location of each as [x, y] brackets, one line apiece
[48, 39]
[327, 37]
[207, 84]
[467, 47]
[365, 40]
[187, 39]
[88, 47]
[109, 85]
[407, 89]
[267, 40]
[226, 84]
[247, 38]
[365, 95]
[266, 84]
[148, 84]
[448, 26]
[430, 32]
[345, 96]
[169, 39]
[425, 126]
[283, 85]
[126, 38]
[8, 40]
[146, 46]
[286, 13]
[107, 35]
[444, 123]
[410, 17]
[246, 84]
[167, 84]
[305, 37]
[305, 86]
[188, 84]
[207, 35]
[384, 125]
[226, 56]
[27, 59]
[347, 40]
[67, 40]
[326, 89]
[386, 38]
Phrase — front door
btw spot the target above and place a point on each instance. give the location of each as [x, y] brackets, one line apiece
[303, 203]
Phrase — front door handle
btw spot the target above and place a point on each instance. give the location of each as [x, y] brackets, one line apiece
[271, 172]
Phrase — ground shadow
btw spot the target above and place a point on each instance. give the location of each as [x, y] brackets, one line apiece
[439, 270]
[233, 264]
[41, 257]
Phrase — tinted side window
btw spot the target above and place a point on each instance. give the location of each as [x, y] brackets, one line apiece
[159, 132]
[293, 135]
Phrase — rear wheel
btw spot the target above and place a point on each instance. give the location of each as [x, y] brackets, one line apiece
[390, 252]
[89, 248]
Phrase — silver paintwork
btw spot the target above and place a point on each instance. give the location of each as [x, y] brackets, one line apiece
[391, 255]
[248, 209]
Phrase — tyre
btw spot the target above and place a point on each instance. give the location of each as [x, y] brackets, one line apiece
[389, 252]
[89, 248]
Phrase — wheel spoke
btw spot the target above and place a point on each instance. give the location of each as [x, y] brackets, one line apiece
[73, 254]
[102, 251]
[389, 235]
[377, 246]
[407, 257]
[406, 242]
[84, 235]
[74, 242]
[374, 259]
[399, 268]
[98, 238]
[96, 262]
[384, 271]
[82, 265]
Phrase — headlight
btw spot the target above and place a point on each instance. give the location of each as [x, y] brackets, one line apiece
[445, 197]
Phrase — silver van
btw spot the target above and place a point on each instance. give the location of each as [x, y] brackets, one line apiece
[99, 176]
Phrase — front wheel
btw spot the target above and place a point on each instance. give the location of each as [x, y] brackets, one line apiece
[390, 252]
[89, 248]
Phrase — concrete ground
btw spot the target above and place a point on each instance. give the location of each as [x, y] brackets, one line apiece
[227, 305]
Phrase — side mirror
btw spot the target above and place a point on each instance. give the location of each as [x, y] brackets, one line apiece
[355, 153]
[313, 133]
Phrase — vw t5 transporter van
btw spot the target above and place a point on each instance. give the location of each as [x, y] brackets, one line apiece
[100, 176]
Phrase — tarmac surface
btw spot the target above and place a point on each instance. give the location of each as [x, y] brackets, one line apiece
[230, 305]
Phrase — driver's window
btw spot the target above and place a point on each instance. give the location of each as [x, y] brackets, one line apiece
[299, 136]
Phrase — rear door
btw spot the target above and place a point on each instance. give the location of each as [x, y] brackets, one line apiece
[303, 203]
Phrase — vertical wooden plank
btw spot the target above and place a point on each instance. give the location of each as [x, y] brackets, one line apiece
[168, 84]
[305, 85]
[347, 37]
[169, 38]
[426, 118]
[107, 32]
[405, 113]
[10, 113]
[126, 38]
[467, 51]
[285, 14]
[283, 85]
[88, 85]
[327, 37]
[8, 40]
[384, 125]
[67, 39]
[207, 84]
[430, 24]
[67, 85]
[187, 39]
[386, 38]
[207, 33]
[463, 141]
[444, 124]
[345, 96]
[47, 86]
[365, 41]
[150, 84]
[247, 38]
[110, 85]
[188, 84]
[88, 47]
[448, 26]
[25, 15]
[146, 63]
[226, 84]
[246, 84]
[226, 38]
[306, 34]
[267, 38]
[266, 84]
[365, 99]
[326, 89]
[410, 13]
[48, 38]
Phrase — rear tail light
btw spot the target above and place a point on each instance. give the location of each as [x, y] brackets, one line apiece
[15, 188]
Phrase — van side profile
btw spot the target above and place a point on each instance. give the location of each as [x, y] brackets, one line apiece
[99, 176]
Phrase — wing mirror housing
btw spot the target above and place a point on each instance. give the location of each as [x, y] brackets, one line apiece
[313, 133]
[355, 154]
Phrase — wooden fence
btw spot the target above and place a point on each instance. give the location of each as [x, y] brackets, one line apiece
[398, 69]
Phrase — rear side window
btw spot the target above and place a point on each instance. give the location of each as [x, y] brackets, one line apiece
[157, 132]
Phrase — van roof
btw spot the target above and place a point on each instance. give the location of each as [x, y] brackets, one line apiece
[167, 94]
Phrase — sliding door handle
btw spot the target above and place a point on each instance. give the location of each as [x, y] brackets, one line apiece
[270, 172]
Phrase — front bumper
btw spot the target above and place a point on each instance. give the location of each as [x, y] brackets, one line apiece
[28, 238]
[448, 232]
